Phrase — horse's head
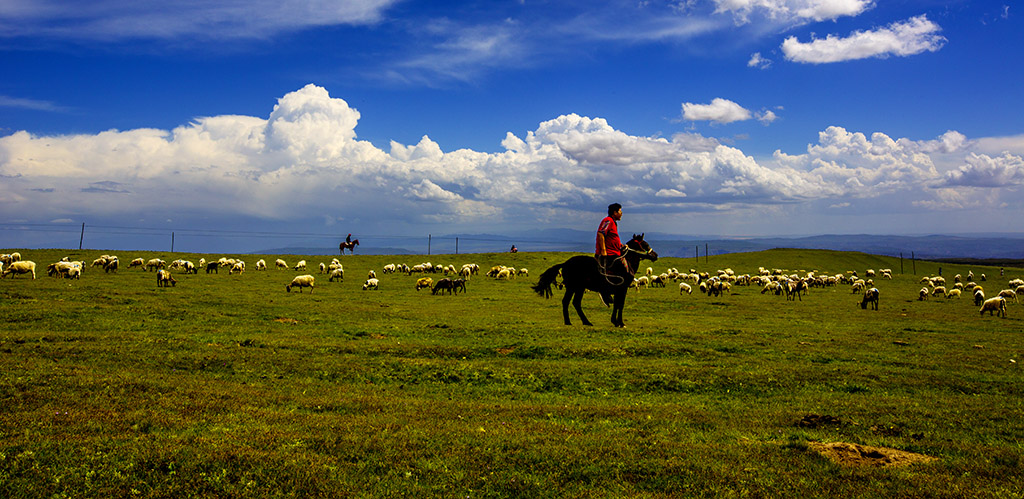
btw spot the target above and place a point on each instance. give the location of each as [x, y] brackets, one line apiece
[638, 245]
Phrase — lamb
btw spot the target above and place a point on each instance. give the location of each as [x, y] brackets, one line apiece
[338, 274]
[870, 296]
[997, 304]
[20, 267]
[163, 278]
[424, 282]
[371, 274]
[685, 287]
[300, 266]
[371, 284]
[302, 281]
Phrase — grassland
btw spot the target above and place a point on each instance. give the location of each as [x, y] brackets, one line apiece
[227, 386]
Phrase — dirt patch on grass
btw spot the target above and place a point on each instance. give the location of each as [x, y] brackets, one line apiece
[846, 454]
[285, 320]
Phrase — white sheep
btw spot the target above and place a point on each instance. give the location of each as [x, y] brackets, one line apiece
[138, 262]
[870, 297]
[685, 287]
[281, 264]
[424, 282]
[979, 296]
[389, 268]
[300, 266]
[302, 281]
[371, 274]
[338, 274]
[923, 294]
[953, 293]
[370, 284]
[939, 290]
[163, 278]
[323, 268]
[261, 264]
[1008, 294]
[21, 267]
[997, 304]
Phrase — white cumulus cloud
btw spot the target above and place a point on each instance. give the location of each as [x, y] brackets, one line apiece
[910, 37]
[719, 111]
[304, 160]
[794, 10]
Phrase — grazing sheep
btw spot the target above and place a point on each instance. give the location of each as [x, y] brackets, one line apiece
[300, 266]
[213, 267]
[261, 265]
[458, 284]
[870, 296]
[74, 272]
[1008, 293]
[389, 268]
[20, 267]
[939, 290]
[997, 304]
[138, 262]
[153, 264]
[281, 264]
[163, 278]
[685, 287]
[237, 268]
[979, 296]
[338, 274]
[371, 274]
[371, 284]
[953, 293]
[442, 286]
[424, 282]
[302, 281]
[111, 265]
[923, 294]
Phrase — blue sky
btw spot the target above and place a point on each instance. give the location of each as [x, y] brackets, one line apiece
[727, 117]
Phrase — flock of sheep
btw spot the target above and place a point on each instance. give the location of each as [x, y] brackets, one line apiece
[454, 279]
[794, 286]
[775, 281]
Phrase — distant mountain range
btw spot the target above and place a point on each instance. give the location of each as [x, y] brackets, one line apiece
[927, 247]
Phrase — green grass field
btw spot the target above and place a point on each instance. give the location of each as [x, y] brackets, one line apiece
[228, 386]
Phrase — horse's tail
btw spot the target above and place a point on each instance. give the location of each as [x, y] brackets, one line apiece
[543, 286]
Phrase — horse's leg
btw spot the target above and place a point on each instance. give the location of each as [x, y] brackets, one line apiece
[565, 305]
[577, 302]
[619, 304]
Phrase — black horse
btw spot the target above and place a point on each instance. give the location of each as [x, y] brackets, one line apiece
[350, 245]
[583, 272]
